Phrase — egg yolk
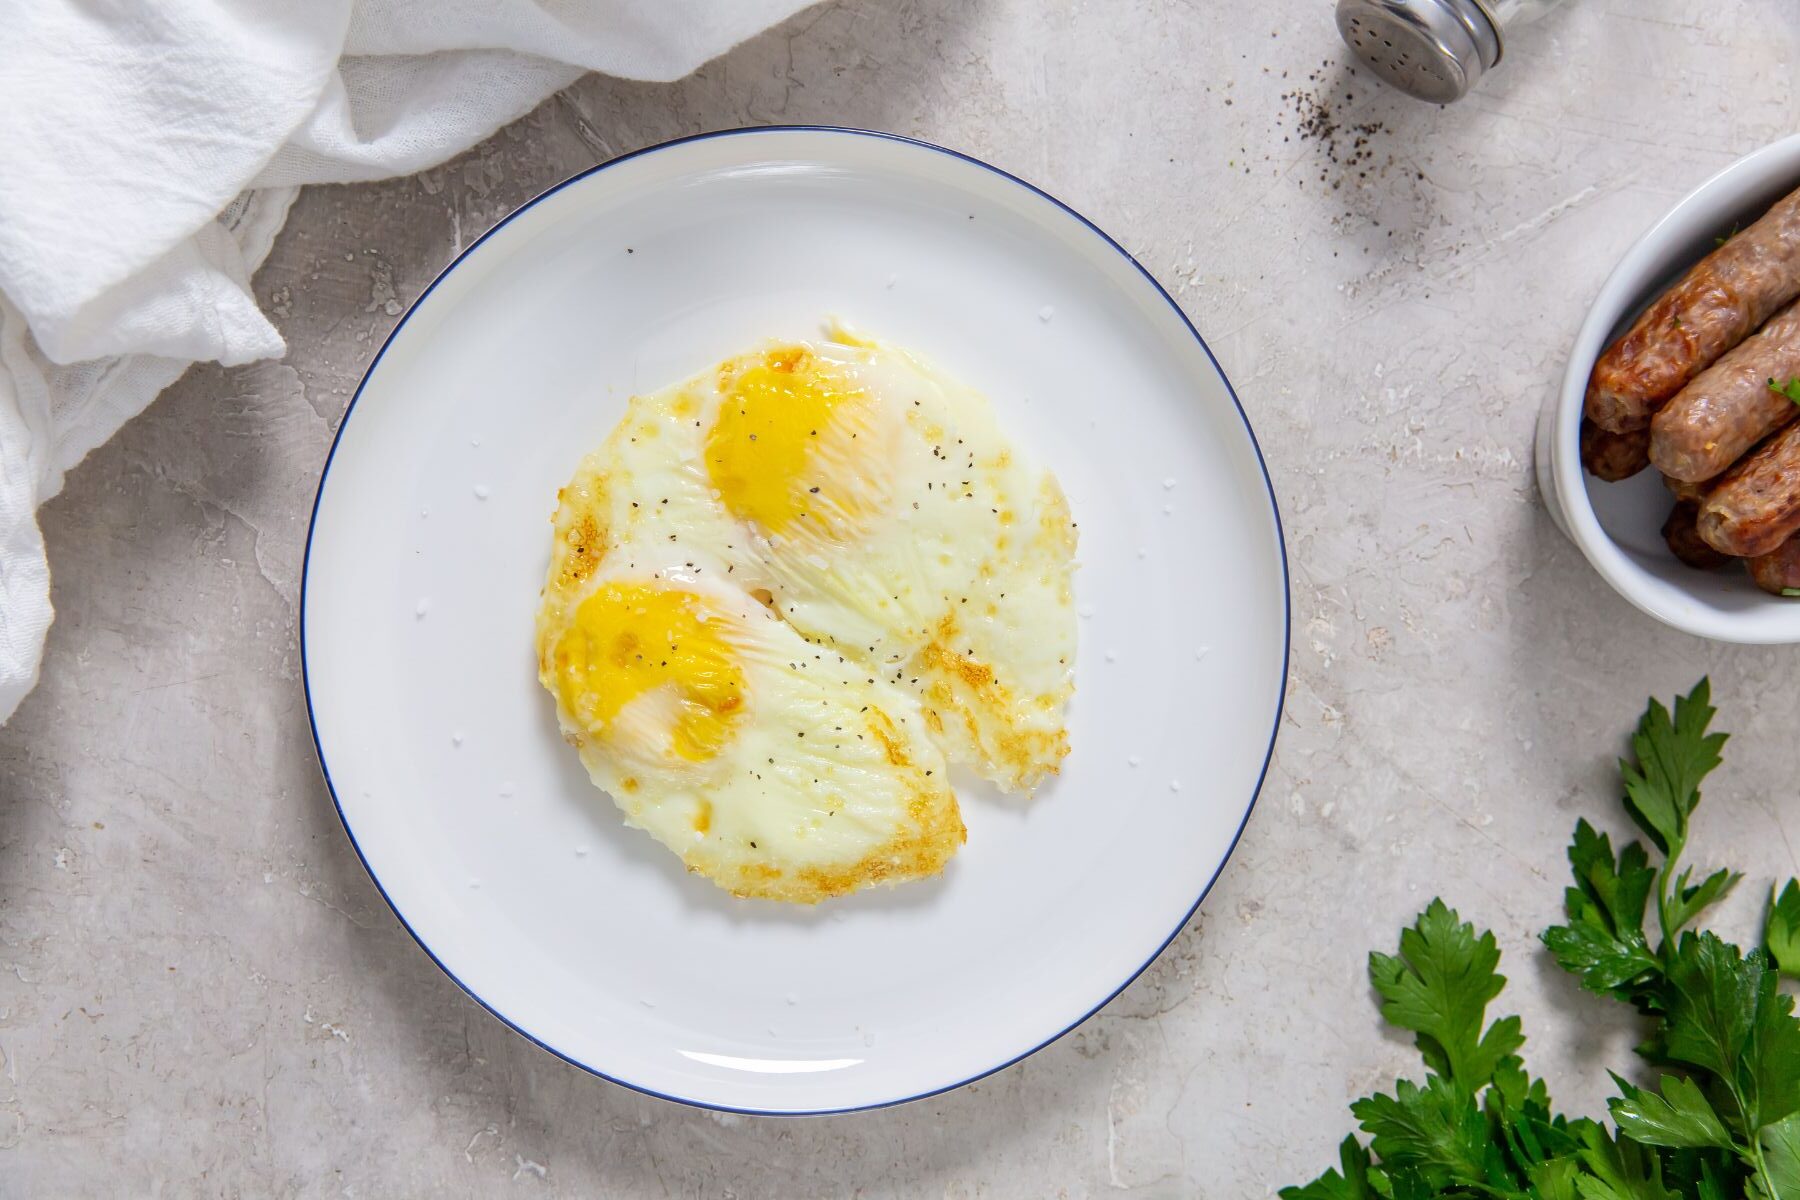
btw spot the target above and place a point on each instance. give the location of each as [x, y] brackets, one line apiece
[627, 640]
[764, 453]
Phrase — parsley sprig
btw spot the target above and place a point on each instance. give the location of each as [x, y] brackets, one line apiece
[1723, 1119]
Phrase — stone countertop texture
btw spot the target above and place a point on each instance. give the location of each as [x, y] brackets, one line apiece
[201, 994]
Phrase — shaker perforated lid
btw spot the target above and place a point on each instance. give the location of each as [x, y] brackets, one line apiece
[1432, 49]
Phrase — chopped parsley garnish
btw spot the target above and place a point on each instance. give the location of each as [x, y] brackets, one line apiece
[1790, 389]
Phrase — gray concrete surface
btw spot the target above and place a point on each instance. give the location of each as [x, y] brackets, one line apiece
[201, 994]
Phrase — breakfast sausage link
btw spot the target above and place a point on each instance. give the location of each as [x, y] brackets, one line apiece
[1778, 571]
[1685, 542]
[1714, 307]
[1756, 505]
[1683, 489]
[1729, 407]
[1613, 456]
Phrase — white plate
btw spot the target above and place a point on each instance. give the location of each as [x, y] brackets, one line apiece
[478, 824]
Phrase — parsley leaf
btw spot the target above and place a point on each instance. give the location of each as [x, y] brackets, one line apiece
[1726, 1016]
[1439, 987]
[1621, 1170]
[1662, 785]
[1783, 931]
[1790, 389]
[1686, 902]
[1772, 1060]
[1709, 1181]
[1515, 1091]
[1437, 1130]
[1556, 1179]
[1403, 1183]
[1605, 966]
[1780, 1144]
[1352, 1184]
[1679, 1117]
[1604, 941]
[1518, 1106]
[1712, 1003]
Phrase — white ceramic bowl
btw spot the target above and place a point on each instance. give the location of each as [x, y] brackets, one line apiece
[1619, 525]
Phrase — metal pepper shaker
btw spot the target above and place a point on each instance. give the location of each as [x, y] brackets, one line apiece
[1433, 49]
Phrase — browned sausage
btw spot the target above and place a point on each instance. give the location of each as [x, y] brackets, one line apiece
[1685, 543]
[1714, 307]
[1778, 571]
[1613, 456]
[1756, 504]
[1729, 407]
[1682, 489]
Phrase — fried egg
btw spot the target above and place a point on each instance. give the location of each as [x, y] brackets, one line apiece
[770, 766]
[862, 537]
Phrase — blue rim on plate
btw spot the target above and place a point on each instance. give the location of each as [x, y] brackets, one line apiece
[1255, 446]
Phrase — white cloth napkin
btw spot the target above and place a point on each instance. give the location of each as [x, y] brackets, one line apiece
[150, 149]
